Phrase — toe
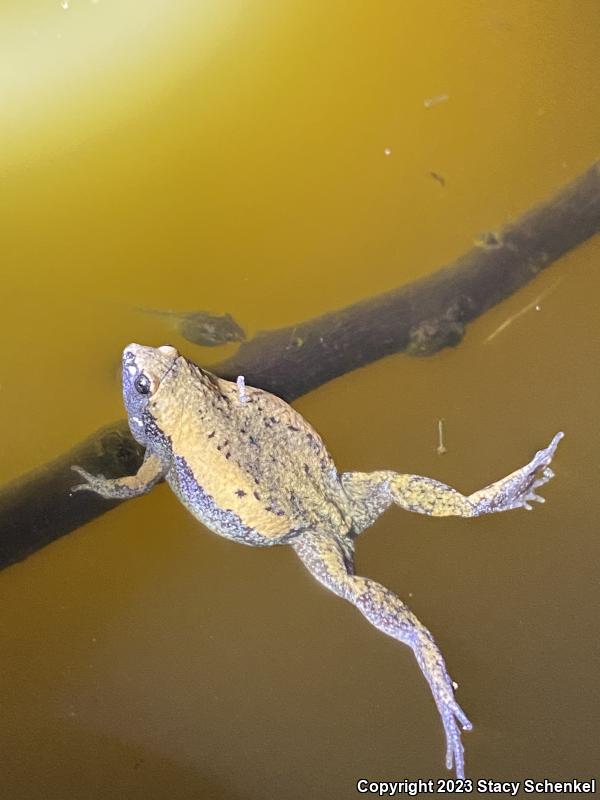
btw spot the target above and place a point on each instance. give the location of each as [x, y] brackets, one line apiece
[81, 487]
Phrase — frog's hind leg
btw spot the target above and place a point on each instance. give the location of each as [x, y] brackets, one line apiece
[330, 561]
[371, 493]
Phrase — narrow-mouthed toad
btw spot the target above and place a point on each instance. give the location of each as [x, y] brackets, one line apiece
[252, 469]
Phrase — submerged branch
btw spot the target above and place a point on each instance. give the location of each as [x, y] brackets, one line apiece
[418, 319]
[428, 314]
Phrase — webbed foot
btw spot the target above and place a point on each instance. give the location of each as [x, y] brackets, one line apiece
[442, 687]
[540, 472]
[453, 719]
[518, 490]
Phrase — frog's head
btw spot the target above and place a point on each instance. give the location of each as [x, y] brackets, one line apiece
[144, 369]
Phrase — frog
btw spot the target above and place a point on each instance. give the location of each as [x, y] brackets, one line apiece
[250, 468]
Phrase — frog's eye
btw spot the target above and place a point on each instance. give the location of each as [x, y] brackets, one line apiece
[142, 384]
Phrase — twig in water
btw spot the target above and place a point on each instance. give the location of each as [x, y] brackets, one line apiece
[441, 448]
[534, 304]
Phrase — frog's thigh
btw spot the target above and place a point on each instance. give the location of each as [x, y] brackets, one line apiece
[371, 493]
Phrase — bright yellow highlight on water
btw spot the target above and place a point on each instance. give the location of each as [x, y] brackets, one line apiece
[95, 56]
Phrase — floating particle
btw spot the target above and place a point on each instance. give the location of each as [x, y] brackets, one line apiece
[430, 102]
[241, 385]
[387, 151]
[441, 448]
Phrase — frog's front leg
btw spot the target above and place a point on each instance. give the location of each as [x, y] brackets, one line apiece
[330, 560]
[371, 493]
[151, 471]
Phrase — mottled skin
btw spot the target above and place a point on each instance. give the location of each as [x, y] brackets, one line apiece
[252, 469]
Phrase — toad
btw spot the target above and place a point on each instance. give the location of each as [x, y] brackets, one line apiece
[250, 468]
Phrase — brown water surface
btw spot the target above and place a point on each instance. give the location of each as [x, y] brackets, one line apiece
[274, 160]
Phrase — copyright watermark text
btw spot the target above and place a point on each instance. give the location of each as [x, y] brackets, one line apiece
[480, 786]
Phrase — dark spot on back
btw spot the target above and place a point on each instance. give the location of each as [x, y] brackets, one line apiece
[256, 494]
[240, 493]
[293, 428]
[211, 434]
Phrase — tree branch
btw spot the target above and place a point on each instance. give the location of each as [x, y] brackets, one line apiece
[418, 319]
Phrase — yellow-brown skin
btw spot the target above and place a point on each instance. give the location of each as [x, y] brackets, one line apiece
[252, 469]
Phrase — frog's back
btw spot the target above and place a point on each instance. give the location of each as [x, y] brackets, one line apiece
[249, 466]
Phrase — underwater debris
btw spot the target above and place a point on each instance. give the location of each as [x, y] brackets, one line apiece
[430, 102]
[441, 448]
[535, 304]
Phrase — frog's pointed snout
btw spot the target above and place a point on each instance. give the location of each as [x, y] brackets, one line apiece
[135, 352]
[129, 359]
[154, 362]
[131, 351]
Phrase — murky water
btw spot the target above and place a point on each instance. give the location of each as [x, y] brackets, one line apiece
[275, 161]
